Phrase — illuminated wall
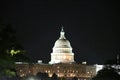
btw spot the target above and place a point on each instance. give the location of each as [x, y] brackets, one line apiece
[61, 69]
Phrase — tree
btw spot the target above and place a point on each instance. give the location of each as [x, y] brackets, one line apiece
[10, 49]
[9, 45]
[54, 77]
[42, 76]
[74, 78]
[107, 73]
[63, 78]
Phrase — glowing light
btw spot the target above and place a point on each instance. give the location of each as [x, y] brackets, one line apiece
[13, 52]
[98, 67]
[31, 78]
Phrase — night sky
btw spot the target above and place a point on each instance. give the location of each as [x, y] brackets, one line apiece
[91, 26]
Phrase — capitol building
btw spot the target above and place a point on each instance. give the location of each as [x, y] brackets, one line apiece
[62, 63]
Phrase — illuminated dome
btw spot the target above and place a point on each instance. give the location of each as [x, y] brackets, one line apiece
[62, 50]
[62, 42]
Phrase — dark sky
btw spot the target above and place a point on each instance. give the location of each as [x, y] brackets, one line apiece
[92, 27]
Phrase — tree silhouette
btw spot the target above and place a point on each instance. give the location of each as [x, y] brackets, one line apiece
[54, 77]
[10, 49]
[42, 76]
[8, 42]
[74, 78]
[107, 73]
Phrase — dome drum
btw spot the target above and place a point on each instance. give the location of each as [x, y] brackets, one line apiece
[62, 50]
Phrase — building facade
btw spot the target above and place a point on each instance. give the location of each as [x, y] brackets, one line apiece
[61, 69]
[62, 63]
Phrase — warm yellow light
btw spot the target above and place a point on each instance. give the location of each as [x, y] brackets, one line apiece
[13, 52]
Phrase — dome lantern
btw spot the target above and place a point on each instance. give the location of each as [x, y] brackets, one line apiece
[62, 34]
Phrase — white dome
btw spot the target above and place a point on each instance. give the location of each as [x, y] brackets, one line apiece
[62, 51]
[62, 43]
